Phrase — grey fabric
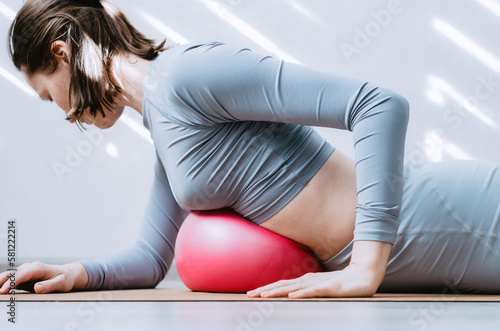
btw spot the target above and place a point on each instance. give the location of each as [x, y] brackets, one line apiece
[449, 236]
[232, 129]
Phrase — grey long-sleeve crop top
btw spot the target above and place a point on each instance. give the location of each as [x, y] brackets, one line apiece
[231, 128]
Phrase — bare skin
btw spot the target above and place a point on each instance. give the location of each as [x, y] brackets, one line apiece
[321, 216]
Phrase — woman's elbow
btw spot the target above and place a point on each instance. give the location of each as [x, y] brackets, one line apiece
[401, 104]
[396, 108]
[381, 104]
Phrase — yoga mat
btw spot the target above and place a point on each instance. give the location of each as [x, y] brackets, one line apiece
[183, 294]
[171, 288]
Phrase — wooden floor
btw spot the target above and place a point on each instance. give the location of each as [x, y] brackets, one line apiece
[275, 316]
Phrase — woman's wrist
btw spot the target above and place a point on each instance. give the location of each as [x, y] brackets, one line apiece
[79, 274]
[371, 256]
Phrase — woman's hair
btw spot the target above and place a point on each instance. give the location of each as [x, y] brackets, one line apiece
[94, 30]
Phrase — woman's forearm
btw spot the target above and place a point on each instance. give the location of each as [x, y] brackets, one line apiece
[372, 255]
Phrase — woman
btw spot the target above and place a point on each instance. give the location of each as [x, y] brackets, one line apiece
[231, 130]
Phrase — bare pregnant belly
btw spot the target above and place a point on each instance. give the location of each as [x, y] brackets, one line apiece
[322, 215]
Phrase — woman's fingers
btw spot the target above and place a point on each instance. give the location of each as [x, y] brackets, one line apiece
[60, 283]
[280, 288]
[10, 279]
[258, 291]
[25, 277]
[297, 288]
[353, 281]
[4, 282]
[42, 278]
[47, 286]
[322, 290]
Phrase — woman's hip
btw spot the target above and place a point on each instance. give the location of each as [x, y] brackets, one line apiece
[449, 230]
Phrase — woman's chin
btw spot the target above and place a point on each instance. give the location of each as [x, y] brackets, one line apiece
[103, 125]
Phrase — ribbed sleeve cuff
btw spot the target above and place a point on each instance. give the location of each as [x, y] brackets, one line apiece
[376, 223]
[386, 237]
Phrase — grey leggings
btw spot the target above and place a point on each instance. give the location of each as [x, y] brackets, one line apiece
[449, 236]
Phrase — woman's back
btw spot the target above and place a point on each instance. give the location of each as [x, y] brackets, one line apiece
[253, 167]
[213, 159]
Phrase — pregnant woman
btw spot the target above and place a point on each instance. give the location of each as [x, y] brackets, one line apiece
[231, 129]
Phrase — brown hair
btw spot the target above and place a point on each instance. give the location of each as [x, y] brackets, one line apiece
[94, 30]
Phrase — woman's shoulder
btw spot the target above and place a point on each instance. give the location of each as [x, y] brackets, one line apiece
[193, 82]
[181, 62]
[192, 54]
[187, 50]
[201, 46]
[205, 65]
[177, 81]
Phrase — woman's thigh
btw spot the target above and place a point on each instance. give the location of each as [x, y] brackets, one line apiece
[448, 239]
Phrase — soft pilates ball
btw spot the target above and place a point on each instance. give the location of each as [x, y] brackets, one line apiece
[220, 251]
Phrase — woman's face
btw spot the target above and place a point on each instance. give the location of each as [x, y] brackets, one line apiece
[55, 87]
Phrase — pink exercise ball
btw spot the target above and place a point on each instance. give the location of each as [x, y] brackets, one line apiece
[220, 251]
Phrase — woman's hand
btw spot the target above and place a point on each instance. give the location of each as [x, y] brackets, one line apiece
[45, 278]
[353, 281]
[361, 278]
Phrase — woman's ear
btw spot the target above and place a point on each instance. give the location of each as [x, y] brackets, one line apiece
[61, 51]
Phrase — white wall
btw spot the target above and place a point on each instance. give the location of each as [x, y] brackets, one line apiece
[418, 51]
